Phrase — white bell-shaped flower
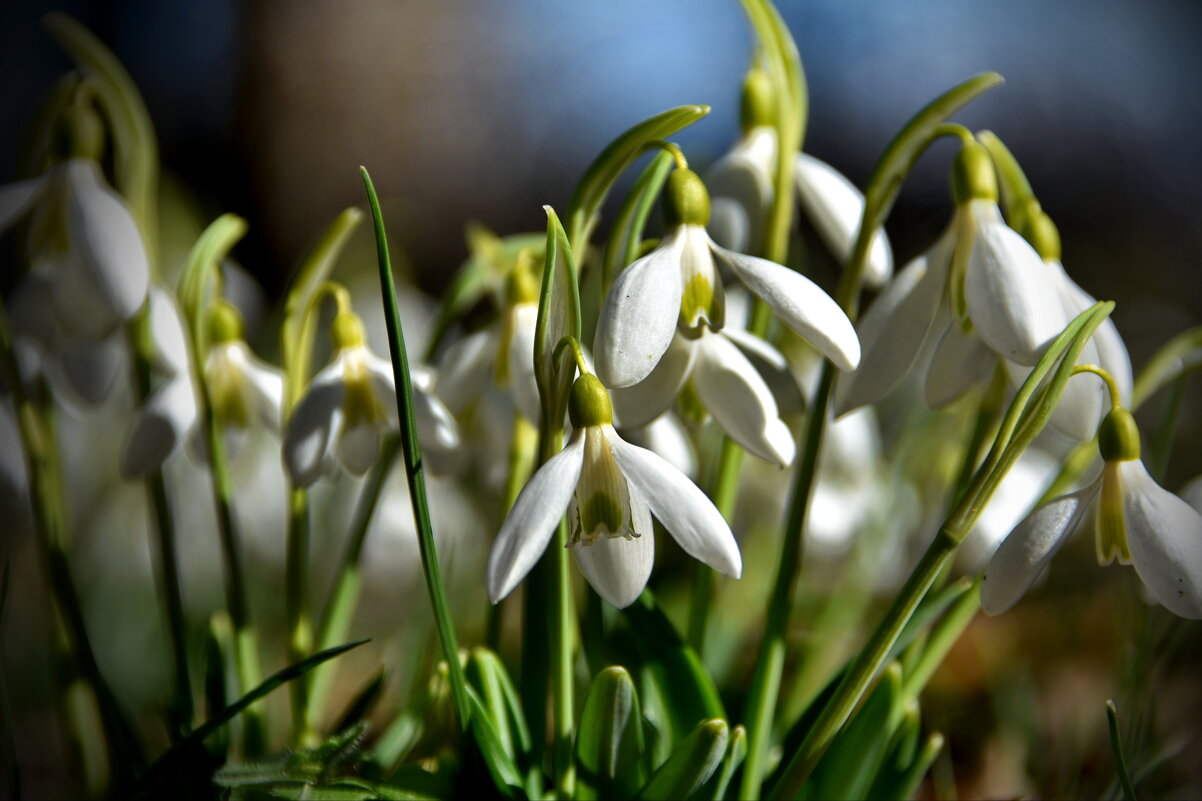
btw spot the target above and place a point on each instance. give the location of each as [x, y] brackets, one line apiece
[610, 489]
[1137, 522]
[350, 403]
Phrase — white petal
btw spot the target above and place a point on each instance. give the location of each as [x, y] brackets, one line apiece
[1165, 537]
[159, 427]
[436, 426]
[667, 436]
[960, 361]
[383, 382]
[740, 401]
[772, 367]
[17, 198]
[639, 316]
[13, 478]
[835, 206]
[683, 509]
[1011, 294]
[1024, 554]
[531, 522]
[618, 568]
[521, 361]
[643, 402]
[1111, 351]
[307, 435]
[801, 304]
[465, 369]
[106, 240]
[266, 384]
[86, 370]
[741, 190]
[167, 329]
[358, 447]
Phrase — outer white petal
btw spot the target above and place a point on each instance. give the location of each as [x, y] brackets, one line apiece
[835, 206]
[266, 384]
[167, 329]
[740, 187]
[638, 318]
[683, 509]
[86, 370]
[521, 361]
[667, 436]
[1111, 350]
[105, 239]
[801, 304]
[1011, 294]
[13, 478]
[643, 402]
[359, 447]
[1024, 554]
[159, 427]
[383, 382]
[1165, 537]
[436, 425]
[531, 522]
[618, 568]
[466, 368]
[308, 433]
[18, 198]
[740, 401]
[772, 366]
[960, 360]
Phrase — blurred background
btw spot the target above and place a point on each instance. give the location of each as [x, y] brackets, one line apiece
[485, 111]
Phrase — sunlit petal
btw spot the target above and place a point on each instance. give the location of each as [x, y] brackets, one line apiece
[616, 567]
[641, 403]
[741, 190]
[1165, 537]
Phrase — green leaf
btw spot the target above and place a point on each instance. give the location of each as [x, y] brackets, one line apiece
[558, 317]
[201, 275]
[1116, 748]
[691, 764]
[1180, 355]
[609, 740]
[362, 703]
[736, 751]
[900, 756]
[943, 636]
[681, 680]
[488, 676]
[614, 159]
[299, 328]
[853, 759]
[907, 785]
[217, 664]
[504, 773]
[627, 233]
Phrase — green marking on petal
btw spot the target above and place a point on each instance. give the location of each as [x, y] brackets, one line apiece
[360, 405]
[1112, 522]
[601, 514]
[697, 301]
[228, 396]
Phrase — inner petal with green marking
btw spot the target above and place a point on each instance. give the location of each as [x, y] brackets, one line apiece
[601, 506]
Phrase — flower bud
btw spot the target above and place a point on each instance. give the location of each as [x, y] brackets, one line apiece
[1118, 436]
[757, 107]
[686, 200]
[973, 177]
[589, 403]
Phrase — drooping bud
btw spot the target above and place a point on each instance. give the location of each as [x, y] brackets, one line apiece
[1118, 437]
[686, 200]
[589, 404]
[757, 107]
[973, 176]
[346, 331]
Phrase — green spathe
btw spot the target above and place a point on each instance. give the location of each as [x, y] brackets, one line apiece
[686, 200]
[589, 403]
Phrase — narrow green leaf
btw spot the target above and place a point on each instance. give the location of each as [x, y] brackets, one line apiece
[298, 330]
[853, 759]
[900, 756]
[488, 677]
[202, 273]
[687, 690]
[505, 774]
[614, 159]
[736, 750]
[558, 317]
[692, 763]
[217, 664]
[396, 741]
[609, 740]
[907, 785]
[943, 636]
[627, 232]
[411, 450]
[1116, 748]
[362, 703]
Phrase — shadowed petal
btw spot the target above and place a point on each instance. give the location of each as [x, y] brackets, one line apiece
[740, 401]
[531, 522]
[521, 361]
[740, 187]
[265, 382]
[18, 198]
[641, 403]
[801, 304]
[1165, 537]
[159, 427]
[616, 567]
[1024, 554]
[86, 370]
[307, 435]
[960, 360]
[683, 509]
[638, 319]
[13, 478]
[358, 447]
[1111, 351]
[465, 369]
[835, 206]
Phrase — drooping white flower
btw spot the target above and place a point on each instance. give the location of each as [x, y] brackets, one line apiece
[1137, 522]
[678, 284]
[981, 288]
[350, 403]
[610, 489]
[504, 352]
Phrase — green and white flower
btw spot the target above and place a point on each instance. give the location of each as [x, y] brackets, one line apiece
[609, 489]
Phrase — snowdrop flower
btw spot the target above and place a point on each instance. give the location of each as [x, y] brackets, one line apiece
[609, 489]
[980, 290]
[242, 389]
[348, 405]
[677, 285]
[741, 184]
[1136, 522]
[504, 351]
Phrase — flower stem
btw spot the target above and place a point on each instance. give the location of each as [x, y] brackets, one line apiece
[724, 495]
[522, 445]
[296, 609]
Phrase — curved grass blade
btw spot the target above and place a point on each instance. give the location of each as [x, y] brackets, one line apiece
[691, 764]
[1116, 747]
[627, 233]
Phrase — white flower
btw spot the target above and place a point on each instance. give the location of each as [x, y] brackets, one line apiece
[678, 284]
[1137, 522]
[347, 406]
[504, 351]
[609, 489]
[741, 185]
[729, 385]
